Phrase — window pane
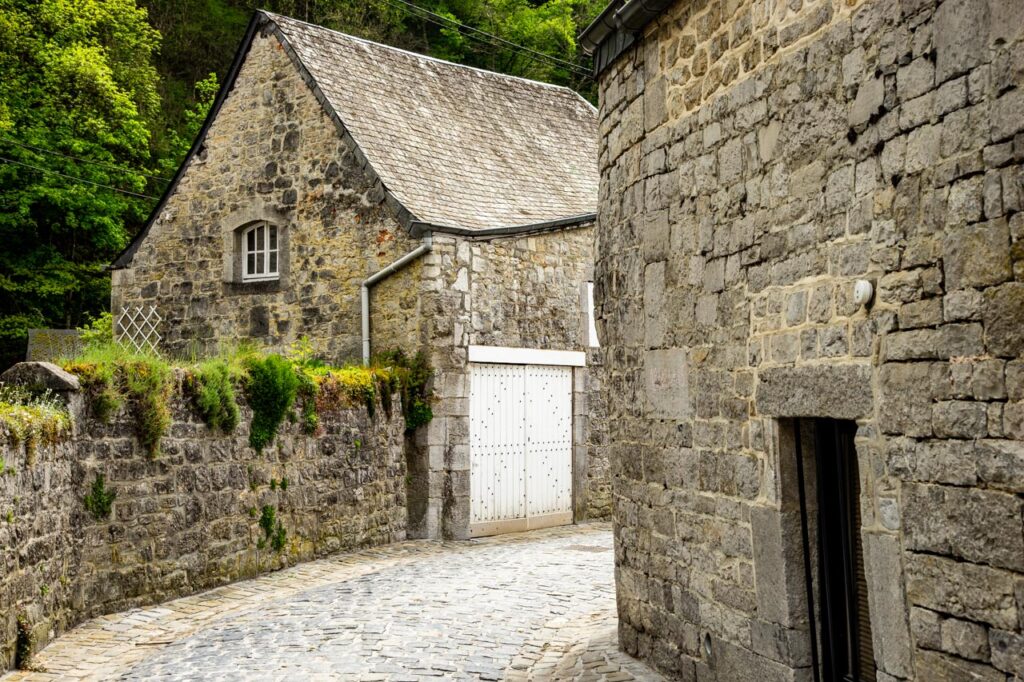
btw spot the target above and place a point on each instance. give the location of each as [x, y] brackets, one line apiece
[250, 239]
[273, 263]
[259, 238]
[259, 265]
[250, 264]
[273, 236]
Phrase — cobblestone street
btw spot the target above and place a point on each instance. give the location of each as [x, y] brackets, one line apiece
[534, 606]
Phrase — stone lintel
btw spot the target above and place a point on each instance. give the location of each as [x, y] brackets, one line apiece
[836, 391]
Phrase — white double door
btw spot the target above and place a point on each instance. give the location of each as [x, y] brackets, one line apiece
[520, 435]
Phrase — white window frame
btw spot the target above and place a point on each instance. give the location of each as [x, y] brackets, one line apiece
[263, 254]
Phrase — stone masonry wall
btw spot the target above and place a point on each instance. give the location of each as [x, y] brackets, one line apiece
[515, 291]
[187, 520]
[757, 158]
[271, 154]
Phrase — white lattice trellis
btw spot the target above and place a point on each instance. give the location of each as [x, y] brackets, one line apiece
[136, 329]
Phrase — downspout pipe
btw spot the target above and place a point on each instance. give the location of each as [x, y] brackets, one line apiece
[424, 248]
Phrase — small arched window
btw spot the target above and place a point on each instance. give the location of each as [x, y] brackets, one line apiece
[260, 252]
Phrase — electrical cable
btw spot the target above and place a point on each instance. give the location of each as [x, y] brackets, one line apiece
[76, 158]
[575, 68]
[71, 177]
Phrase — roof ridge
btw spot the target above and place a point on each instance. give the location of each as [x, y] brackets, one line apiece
[274, 15]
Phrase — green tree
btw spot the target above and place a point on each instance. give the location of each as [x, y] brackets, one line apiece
[76, 80]
[178, 142]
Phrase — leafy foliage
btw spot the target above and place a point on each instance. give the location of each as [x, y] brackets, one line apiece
[100, 500]
[23, 644]
[213, 393]
[76, 80]
[412, 378]
[271, 391]
[114, 377]
[32, 418]
[273, 530]
[98, 332]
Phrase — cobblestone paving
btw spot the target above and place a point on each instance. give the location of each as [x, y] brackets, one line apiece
[531, 606]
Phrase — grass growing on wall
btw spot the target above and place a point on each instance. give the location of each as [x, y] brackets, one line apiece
[99, 500]
[273, 385]
[33, 418]
[114, 377]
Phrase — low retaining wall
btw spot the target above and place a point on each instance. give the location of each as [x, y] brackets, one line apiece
[187, 520]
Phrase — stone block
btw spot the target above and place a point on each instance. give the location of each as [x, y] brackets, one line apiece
[778, 567]
[837, 391]
[976, 525]
[1004, 319]
[1000, 464]
[666, 383]
[1007, 651]
[870, 95]
[1006, 120]
[926, 627]
[961, 34]
[965, 590]
[978, 256]
[963, 304]
[1013, 421]
[729, 662]
[931, 665]
[948, 341]
[924, 313]
[40, 376]
[887, 603]
[959, 419]
[964, 639]
[915, 79]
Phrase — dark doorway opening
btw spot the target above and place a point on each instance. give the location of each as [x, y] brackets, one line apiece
[829, 481]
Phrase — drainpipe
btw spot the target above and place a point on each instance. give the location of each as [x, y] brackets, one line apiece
[428, 243]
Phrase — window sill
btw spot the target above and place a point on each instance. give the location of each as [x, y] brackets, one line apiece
[259, 286]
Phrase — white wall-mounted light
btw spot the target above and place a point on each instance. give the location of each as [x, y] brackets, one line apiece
[863, 290]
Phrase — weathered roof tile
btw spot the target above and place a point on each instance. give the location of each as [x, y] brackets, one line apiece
[457, 146]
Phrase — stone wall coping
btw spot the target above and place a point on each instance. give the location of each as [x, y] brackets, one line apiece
[41, 375]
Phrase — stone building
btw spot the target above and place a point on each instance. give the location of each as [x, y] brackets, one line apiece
[370, 198]
[814, 478]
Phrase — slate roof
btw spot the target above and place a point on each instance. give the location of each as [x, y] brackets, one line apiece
[456, 146]
[458, 149]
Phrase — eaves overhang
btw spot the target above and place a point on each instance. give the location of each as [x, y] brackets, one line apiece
[616, 29]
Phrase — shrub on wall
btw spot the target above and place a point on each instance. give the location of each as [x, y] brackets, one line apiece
[99, 500]
[411, 377]
[271, 390]
[213, 394]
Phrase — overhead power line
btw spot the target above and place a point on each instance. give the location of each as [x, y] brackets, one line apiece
[81, 160]
[474, 33]
[71, 177]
